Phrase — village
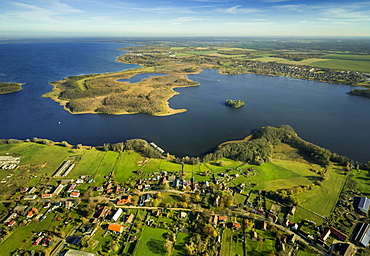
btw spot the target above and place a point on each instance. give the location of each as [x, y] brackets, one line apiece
[160, 212]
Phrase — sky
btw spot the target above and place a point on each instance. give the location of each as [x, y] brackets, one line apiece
[38, 18]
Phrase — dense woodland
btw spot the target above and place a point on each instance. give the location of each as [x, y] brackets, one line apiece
[7, 87]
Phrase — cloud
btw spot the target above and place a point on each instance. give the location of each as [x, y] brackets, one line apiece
[34, 12]
[237, 10]
[275, 1]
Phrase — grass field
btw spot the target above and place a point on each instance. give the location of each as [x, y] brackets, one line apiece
[322, 198]
[151, 242]
[126, 166]
[363, 181]
[279, 174]
[333, 61]
[88, 165]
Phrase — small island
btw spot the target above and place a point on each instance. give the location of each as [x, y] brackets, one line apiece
[234, 103]
[7, 87]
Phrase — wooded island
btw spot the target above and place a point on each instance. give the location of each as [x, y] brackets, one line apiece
[7, 87]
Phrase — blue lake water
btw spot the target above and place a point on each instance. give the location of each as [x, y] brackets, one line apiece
[319, 112]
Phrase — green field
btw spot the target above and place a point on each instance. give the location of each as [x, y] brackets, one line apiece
[359, 63]
[277, 175]
[323, 198]
[363, 181]
[151, 242]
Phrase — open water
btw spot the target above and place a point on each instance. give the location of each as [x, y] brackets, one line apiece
[319, 112]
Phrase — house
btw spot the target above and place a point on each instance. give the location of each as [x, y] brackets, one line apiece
[71, 187]
[183, 215]
[260, 211]
[46, 195]
[222, 218]
[176, 183]
[345, 249]
[69, 204]
[274, 218]
[31, 213]
[364, 204]
[58, 189]
[124, 201]
[20, 209]
[292, 210]
[130, 218]
[115, 228]
[10, 217]
[217, 201]
[254, 235]
[334, 232]
[37, 241]
[236, 226]
[117, 214]
[32, 190]
[46, 241]
[23, 189]
[264, 226]
[215, 220]
[362, 235]
[104, 212]
[29, 197]
[11, 223]
[74, 194]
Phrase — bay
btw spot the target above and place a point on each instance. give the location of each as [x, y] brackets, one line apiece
[319, 112]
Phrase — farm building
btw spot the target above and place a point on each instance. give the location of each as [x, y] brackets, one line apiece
[117, 214]
[115, 228]
[364, 204]
[362, 236]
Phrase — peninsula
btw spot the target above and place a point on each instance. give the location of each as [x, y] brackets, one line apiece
[105, 93]
[7, 87]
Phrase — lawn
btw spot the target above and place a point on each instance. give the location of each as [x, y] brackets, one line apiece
[151, 242]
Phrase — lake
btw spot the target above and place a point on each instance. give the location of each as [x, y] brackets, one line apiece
[319, 112]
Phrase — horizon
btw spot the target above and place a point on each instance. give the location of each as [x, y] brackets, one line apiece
[190, 18]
